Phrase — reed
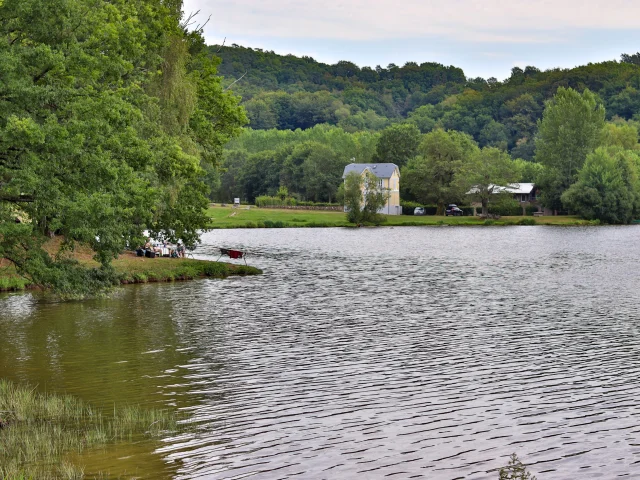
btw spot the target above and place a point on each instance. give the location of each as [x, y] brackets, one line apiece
[39, 431]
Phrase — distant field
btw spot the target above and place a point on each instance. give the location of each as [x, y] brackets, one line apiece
[253, 217]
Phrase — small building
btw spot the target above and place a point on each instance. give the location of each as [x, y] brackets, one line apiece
[524, 192]
[389, 180]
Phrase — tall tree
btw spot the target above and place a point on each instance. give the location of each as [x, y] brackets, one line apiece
[398, 144]
[486, 174]
[607, 188]
[363, 197]
[570, 129]
[108, 110]
[430, 176]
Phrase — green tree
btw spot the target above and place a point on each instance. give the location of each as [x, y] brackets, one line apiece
[530, 172]
[109, 111]
[494, 134]
[486, 174]
[570, 129]
[322, 173]
[622, 135]
[607, 188]
[430, 177]
[398, 144]
[363, 197]
[352, 194]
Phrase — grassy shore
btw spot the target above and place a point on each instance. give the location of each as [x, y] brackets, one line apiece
[243, 217]
[39, 433]
[133, 269]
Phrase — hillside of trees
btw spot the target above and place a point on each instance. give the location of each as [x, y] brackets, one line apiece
[287, 92]
[309, 119]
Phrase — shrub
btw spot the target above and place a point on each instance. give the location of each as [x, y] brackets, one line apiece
[527, 221]
[489, 222]
[531, 209]
[515, 470]
[140, 278]
[467, 211]
[267, 201]
[506, 209]
[276, 224]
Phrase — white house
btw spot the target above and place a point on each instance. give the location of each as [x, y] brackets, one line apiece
[389, 179]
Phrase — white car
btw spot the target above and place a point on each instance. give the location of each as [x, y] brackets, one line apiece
[418, 211]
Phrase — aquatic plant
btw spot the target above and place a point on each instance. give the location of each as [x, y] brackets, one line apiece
[39, 430]
[515, 470]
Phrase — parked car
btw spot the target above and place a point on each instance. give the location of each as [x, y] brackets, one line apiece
[418, 211]
[453, 209]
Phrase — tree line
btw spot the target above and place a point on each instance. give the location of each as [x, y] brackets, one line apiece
[287, 92]
[582, 163]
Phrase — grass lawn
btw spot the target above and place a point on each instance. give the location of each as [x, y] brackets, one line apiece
[228, 217]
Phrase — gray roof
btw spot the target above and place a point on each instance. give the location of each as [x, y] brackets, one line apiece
[520, 187]
[517, 188]
[380, 170]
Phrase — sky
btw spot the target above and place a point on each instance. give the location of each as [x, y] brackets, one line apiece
[486, 38]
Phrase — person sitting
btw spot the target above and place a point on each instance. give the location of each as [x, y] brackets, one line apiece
[180, 250]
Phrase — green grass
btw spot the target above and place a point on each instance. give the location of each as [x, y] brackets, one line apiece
[132, 269]
[228, 217]
[142, 270]
[39, 432]
[10, 281]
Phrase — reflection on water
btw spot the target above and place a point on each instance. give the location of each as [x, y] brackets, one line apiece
[406, 352]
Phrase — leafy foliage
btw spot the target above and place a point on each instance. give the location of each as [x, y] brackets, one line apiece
[431, 177]
[515, 470]
[571, 128]
[108, 112]
[608, 188]
[363, 198]
[486, 173]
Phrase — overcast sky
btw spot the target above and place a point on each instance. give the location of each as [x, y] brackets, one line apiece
[484, 37]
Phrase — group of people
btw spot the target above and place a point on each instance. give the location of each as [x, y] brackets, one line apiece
[154, 249]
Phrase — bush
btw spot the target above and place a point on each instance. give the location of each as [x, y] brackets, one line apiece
[531, 209]
[467, 211]
[140, 278]
[267, 201]
[527, 221]
[276, 224]
[506, 209]
[515, 470]
[408, 208]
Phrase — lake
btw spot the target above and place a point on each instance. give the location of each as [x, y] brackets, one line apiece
[364, 353]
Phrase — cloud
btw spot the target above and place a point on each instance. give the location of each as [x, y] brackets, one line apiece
[491, 21]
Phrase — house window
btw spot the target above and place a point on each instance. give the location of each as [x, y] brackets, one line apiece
[380, 183]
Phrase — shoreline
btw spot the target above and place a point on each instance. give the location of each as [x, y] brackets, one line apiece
[135, 270]
[254, 217]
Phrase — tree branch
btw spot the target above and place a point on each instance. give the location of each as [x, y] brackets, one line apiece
[42, 74]
[236, 81]
[223, 42]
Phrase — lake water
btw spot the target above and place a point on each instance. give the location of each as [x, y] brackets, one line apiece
[365, 353]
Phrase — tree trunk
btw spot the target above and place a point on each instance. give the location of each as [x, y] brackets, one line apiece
[440, 209]
[485, 206]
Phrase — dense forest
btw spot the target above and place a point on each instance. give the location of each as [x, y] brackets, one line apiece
[300, 108]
